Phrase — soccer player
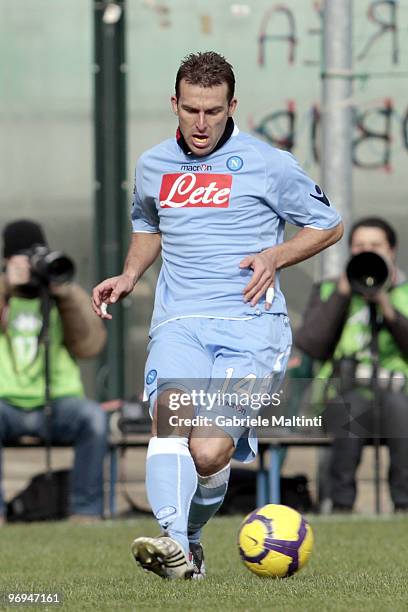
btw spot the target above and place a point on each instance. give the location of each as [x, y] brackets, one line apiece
[214, 201]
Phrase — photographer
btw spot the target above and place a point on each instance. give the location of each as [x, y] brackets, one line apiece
[30, 269]
[338, 330]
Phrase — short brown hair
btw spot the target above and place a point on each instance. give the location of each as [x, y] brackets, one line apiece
[379, 223]
[207, 70]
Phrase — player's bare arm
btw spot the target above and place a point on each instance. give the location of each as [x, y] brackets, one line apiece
[306, 243]
[143, 251]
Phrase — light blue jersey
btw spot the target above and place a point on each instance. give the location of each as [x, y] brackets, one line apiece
[214, 211]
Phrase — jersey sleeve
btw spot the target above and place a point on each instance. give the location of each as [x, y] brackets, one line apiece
[300, 201]
[144, 214]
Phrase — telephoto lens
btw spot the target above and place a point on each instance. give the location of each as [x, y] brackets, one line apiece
[368, 273]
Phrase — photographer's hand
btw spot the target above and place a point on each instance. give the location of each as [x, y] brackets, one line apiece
[382, 299]
[18, 271]
[60, 290]
[343, 285]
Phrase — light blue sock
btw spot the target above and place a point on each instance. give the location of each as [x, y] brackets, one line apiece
[171, 481]
[207, 499]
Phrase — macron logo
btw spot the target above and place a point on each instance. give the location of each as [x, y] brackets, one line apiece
[195, 190]
[322, 197]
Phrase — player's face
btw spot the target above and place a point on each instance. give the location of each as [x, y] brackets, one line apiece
[372, 239]
[203, 113]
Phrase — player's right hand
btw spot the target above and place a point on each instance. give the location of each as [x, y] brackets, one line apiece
[110, 291]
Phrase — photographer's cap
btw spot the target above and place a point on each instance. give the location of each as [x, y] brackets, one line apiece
[20, 236]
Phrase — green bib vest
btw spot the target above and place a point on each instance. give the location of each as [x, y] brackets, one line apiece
[355, 338]
[22, 378]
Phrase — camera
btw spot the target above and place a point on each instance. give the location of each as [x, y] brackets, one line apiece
[368, 273]
[131, 418]
[49, 266]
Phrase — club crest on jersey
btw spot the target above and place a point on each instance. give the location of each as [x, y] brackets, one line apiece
[234, 163]
[191, 190]
[151, 377]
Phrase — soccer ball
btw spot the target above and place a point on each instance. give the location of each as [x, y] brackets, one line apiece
[275, 541]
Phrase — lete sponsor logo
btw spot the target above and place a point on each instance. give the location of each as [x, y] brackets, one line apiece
[191, 190]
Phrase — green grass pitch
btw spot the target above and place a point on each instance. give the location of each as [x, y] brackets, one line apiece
[357, 564]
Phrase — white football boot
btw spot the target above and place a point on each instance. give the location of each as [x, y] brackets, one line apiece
[163, 556]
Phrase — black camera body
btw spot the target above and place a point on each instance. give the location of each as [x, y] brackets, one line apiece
[368, 273]
[49, 266]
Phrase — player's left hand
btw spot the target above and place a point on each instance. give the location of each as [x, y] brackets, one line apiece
[263, 279]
